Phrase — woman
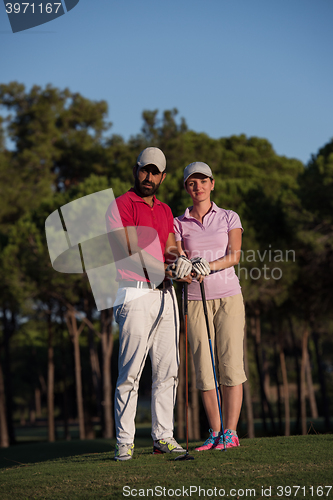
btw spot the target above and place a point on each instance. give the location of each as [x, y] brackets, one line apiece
[211, 237]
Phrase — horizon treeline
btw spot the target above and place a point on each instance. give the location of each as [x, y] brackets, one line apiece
[58, 354]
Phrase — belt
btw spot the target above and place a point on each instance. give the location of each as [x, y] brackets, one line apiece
[165, 285]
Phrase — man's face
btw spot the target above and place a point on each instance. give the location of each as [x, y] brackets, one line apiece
[147, 180]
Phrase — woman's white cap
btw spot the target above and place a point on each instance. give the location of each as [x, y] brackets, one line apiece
[198, 167]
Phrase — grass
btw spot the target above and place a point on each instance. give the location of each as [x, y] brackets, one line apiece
[85, 470]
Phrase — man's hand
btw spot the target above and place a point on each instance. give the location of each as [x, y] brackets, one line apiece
[200, 266]
[181, 268]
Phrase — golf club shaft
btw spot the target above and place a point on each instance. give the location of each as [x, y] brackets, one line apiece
[185, 309]
[203, 296]
[186, 360]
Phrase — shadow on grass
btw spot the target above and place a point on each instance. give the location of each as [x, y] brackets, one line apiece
[24, 454]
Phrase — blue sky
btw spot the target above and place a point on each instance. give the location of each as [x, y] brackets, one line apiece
[256, 67]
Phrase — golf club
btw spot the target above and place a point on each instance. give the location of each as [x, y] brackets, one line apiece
[186, 456]
[203, 295]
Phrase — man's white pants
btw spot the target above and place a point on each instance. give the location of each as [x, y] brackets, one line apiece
[148, 323]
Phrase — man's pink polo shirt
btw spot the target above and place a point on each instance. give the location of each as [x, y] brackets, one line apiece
[210, 241]
[153, 224]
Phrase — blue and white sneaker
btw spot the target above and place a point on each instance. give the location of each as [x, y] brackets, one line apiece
[231, 440]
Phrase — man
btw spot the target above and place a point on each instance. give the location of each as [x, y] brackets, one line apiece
[141, 235]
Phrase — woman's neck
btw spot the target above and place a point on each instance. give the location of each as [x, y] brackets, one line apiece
[199, 210]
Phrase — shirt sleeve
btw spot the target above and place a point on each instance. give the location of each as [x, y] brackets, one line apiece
[119, 214]
[234, 221]
[177, 229]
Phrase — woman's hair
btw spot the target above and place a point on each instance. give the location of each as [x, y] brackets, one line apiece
[211, 179]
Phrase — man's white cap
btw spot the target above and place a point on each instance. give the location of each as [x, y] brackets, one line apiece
[198, 167]
[152, 156]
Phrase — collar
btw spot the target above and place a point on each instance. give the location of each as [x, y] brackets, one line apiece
[135, 197]
[187, 215]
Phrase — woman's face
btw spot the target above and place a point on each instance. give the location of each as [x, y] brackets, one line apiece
[199, 187]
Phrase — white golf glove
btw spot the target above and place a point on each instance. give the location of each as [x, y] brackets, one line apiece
[200, 266]
[181, 268]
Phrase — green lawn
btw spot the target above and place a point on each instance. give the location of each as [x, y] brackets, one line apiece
[85, 470]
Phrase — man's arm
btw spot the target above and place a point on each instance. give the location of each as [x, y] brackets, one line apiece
[171, 252]
[178, 252]
[126, 240]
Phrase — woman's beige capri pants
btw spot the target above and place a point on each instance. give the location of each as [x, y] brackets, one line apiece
[226, 318]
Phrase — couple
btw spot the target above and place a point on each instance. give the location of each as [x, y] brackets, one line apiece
[206, 239]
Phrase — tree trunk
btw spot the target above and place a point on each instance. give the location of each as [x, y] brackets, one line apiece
[285, 393]
[9, 327]
[322, 381]
[50, 382]
[247, 392]
[296, 353]
[257, 357]
[4, 436]
[265, 371]
[107, 347]
[32, 416]
[78, 381]
[278, 389]
[303, 379]
[194, 402]
[75, 335]
[64, 372]
[311, 392]
[94, 361]
[256, 330]
[38, 402]
[181, 390]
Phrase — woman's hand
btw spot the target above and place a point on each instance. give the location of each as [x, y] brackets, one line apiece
[196, 276]
[200, 266]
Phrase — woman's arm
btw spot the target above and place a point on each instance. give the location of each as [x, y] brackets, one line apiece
[180, 249]
[233, 252]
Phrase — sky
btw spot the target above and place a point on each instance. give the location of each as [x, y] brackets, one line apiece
[254, 67]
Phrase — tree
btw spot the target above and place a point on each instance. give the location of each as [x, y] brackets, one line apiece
[57, 137]
[4, 436]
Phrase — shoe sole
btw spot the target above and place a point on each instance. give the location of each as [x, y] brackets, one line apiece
[159, 452]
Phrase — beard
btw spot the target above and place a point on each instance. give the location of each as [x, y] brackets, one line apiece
[145, 188]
